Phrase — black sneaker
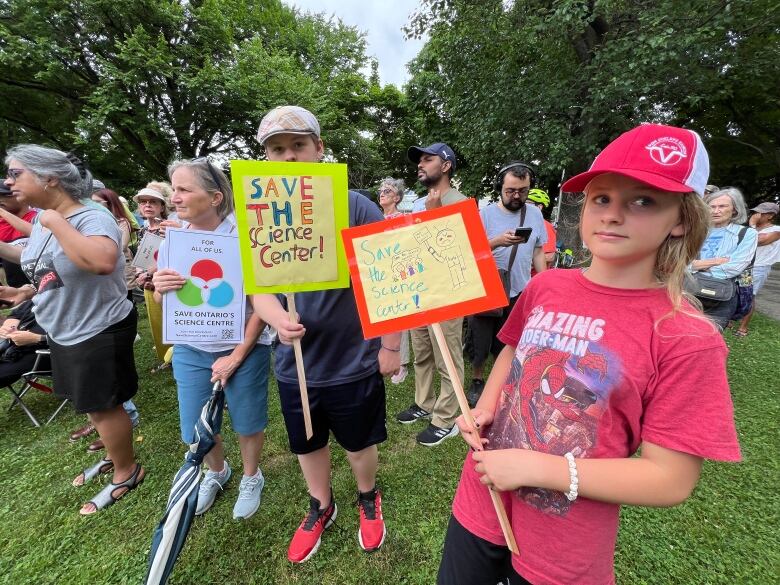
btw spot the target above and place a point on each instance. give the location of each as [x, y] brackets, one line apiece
[472, 396]
[434, 435]
[412, 414]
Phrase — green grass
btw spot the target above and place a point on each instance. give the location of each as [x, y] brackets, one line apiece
[726, 532]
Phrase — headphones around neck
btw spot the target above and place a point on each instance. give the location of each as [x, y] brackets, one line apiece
[502, 172]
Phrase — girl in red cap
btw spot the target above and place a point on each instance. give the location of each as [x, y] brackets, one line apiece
[599, 364]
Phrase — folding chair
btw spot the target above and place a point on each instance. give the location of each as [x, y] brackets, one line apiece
[30, 380]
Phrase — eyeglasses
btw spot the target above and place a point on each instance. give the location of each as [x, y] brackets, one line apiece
[13, 174]
[517, 192]
[211, 170]
[386, 191]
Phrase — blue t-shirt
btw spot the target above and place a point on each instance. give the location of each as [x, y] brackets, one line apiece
[334, 350]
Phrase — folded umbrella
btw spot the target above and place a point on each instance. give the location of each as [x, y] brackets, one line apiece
[170, 534]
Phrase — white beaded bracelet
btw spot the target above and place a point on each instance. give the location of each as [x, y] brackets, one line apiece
[573, 479]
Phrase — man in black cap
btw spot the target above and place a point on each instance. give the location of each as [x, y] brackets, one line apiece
[435, 166]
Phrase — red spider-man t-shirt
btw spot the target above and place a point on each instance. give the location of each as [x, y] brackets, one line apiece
[597, 370]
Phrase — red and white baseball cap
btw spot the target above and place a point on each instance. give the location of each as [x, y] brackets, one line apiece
[664, 157]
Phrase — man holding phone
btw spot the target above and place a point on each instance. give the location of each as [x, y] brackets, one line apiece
[516, 233]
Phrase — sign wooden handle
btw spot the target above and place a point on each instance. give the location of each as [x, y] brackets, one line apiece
[498, 504]
[299, 366]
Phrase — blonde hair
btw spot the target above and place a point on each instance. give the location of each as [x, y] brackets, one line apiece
[163, 188]
[676, 253]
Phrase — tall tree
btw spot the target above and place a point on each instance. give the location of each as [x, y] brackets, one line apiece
[135, 84]
[555, 82]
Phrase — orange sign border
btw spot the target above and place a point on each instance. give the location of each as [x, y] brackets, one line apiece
[494, 290]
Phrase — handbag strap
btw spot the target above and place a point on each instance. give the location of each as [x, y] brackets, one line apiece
[513, 254]
[741, 236]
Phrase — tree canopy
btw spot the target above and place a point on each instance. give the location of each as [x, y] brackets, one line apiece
[134, 85]
[554, 82]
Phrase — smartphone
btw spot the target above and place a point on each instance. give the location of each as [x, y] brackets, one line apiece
[524, 233]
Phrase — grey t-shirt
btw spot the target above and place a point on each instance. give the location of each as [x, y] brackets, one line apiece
[497, 220]
[334, 350]
[73, 305]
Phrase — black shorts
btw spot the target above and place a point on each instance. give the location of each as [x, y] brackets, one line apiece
[484, 332]
[99, 373]
[355, 412]
[470, 560]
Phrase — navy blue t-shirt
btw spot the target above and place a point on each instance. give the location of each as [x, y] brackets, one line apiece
[334, 350]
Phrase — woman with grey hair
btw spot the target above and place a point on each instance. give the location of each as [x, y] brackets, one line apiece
[728, 250]
[73, 260]
[391, 192]
[204, 201]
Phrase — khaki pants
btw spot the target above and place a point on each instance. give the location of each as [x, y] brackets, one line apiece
[427, 358]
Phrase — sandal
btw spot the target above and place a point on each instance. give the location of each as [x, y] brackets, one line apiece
[108, 495]
[740, 333]
[90, 473]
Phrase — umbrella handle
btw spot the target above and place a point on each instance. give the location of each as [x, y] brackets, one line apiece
[217, 387]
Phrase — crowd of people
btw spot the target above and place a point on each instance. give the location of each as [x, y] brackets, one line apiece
[591, 365]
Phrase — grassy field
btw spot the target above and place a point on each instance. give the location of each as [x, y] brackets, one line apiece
[726, 533]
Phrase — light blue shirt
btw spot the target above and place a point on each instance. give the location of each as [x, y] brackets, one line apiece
[722, 243]
[497, 220]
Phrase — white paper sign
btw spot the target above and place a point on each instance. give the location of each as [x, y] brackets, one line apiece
[210, 306]
[146, 256]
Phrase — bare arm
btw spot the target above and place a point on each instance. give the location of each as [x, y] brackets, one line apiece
[539, 261]
[390, 354]
[272, 312]
[16, 222]
[660, 477]
[95, 254]
[10, 252]
[763, 239]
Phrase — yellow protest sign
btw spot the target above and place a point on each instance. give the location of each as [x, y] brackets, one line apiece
[290, 216]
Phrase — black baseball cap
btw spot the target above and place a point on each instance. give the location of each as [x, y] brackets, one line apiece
[438, 148]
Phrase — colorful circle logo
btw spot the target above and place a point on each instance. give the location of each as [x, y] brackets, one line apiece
[205, 285]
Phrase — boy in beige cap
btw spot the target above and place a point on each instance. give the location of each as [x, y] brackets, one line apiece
[344, 372]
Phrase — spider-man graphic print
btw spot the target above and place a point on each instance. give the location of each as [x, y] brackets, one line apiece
[557, 389]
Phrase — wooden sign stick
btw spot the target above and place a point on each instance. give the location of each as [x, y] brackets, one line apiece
[498, 504]
[299, 365]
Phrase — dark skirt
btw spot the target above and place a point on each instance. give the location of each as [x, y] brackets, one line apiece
[99, 373]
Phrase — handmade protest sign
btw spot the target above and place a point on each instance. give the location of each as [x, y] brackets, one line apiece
[146, 256]
[210, 306]
[421, 269]
[289, 216]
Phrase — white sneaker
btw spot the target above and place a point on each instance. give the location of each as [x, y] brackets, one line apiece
[249, 493]
[400, 376]
[210, 486]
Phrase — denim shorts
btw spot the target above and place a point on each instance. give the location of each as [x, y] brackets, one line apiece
[760, 274]
[246, 392]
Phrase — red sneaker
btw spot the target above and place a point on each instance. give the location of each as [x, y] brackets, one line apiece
[372, 530]
[306, 539]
